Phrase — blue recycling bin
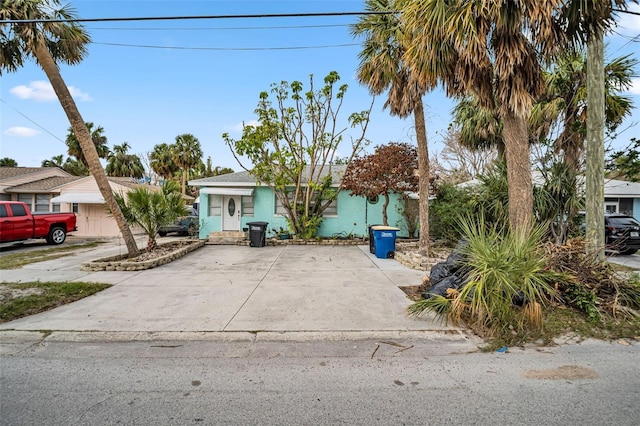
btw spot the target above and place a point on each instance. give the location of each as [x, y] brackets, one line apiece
[385, 241]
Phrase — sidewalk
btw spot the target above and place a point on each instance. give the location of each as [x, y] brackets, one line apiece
[225, 289]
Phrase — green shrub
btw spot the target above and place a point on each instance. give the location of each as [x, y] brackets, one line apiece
[503, 267]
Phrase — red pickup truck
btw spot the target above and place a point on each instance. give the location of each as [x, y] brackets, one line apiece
[18, 223]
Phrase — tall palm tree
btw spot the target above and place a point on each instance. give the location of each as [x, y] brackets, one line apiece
[47, 39]
[121, 163]
[383, 67]
[187, 154]
[492, 50]
[97, 136]
[162, 162]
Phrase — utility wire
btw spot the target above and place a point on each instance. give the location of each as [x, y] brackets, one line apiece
[217, 28]
[19, 112]
[185, 18]
[226, 48]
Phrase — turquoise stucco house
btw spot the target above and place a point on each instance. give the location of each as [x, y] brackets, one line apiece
[228, 202]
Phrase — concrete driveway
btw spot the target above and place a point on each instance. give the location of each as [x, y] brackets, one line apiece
[236, 289]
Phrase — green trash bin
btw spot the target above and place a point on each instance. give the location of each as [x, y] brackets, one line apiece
[384, 241]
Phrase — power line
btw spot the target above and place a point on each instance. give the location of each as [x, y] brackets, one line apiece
[185, 18]
[22, 114]
[218, 28]
[226, 48]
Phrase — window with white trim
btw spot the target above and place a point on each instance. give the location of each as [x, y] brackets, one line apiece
[27, 199]
[42, 202]
[247, 205]
[215, 205]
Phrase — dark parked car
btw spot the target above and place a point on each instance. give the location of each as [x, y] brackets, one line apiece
[622, 233]
[185, 225]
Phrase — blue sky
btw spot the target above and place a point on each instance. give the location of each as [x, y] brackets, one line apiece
[204, 76]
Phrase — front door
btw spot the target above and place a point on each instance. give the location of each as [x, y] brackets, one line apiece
[230, 213]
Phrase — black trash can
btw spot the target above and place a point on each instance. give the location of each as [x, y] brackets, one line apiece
[257, 233]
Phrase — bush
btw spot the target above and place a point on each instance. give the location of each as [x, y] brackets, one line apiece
[451, 203]
[507, 283]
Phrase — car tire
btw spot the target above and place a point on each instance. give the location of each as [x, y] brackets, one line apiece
[56, 236]
[628, 251]
[162, 234]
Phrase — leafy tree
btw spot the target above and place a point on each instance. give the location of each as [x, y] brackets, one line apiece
[466, 161]
[151, 209]
[52, 36]
[121, 163]
[383, 67]
[162, 161]
[98, 138]
[187, 154]
[293, 147]
[8, 162]
[625, 164]
[392, 168]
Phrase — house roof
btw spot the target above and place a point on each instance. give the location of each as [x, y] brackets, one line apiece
[46, 185]
[244, 178]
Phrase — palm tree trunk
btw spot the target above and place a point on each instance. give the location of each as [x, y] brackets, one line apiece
[595, 147]
[516, 141]
[88, 148]
[423, 175]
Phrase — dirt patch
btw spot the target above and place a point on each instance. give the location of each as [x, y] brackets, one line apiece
[7, 293]
[565, 372]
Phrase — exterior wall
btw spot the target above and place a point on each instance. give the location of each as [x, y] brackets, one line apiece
[355, 214]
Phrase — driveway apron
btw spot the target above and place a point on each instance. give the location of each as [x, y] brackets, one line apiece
[237, 288]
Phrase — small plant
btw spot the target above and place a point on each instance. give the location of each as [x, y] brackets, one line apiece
[281, 233]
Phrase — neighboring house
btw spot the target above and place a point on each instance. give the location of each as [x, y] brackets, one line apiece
[47, 189]
[619, 196]
[622, 197]
[228, 202]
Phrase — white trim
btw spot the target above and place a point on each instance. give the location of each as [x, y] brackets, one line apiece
[227, 191]
[79, 197]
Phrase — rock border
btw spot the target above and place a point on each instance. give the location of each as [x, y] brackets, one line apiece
[119, 262]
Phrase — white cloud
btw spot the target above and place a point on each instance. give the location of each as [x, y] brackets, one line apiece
[42, 91]
[628, 23]
[21, 132]
[635, 86]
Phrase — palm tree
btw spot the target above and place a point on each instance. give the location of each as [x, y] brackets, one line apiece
[121, 163]
[97, 136]
[47, 37]
[383, 67]
[187, 154]
[162, 162]
[55, 161]
[151, 209]
[565, 100]
[492, 51]
[8, 162]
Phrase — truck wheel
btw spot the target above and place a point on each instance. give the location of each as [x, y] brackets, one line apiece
[56, 236]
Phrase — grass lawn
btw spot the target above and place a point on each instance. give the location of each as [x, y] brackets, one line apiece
[22, 299]
[18, 260]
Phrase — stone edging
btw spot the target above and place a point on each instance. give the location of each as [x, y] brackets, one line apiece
[296, 242]
[119, 263]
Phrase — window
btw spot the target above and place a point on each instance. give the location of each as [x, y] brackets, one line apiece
[75, 208]
[331, 210]
[215, 205]
[27, 199]
[55, 207]
[374, 199]
[18, 210]
[3, 211]
[42, 202]
[5, 197]
[247, 206]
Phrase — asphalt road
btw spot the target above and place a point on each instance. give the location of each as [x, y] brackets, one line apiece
[367, 382]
